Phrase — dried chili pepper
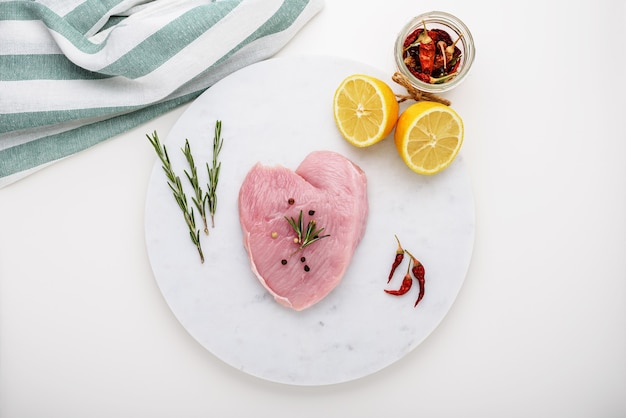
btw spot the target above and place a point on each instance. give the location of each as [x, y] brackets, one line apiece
[397, 260]
[427, 50]
[451, 49]
[423, 77]
[440, 35]
[420, 274]
[410, 40]
[404, 287]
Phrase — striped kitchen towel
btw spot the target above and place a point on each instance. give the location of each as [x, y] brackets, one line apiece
[76, 72]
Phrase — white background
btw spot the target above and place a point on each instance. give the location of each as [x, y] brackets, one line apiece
[538, 329]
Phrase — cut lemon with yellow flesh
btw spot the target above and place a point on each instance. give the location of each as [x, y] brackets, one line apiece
[365, 108]
[428, 136]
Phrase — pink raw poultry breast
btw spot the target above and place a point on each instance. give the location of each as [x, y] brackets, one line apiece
[326, 188]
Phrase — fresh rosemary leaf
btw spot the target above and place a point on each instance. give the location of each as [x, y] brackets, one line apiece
[308, 235]
[214, 171]
[200, 198]
[173, 181]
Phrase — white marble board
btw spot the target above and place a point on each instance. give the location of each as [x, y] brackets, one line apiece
[276, 112]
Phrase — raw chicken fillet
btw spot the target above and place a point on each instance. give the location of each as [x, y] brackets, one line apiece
[327, 188]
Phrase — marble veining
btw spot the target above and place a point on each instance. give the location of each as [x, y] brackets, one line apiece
[268, 115]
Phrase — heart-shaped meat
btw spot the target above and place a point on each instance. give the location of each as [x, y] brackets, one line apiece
[326, 188]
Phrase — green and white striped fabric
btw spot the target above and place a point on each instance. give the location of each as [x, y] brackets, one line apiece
[76, 72]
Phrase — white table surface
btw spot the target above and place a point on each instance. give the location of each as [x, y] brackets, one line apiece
[538, 329]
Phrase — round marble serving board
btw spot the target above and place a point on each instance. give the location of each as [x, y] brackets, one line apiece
[276, 112]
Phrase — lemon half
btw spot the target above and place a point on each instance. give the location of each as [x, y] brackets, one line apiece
[428, 136]
[365, 109]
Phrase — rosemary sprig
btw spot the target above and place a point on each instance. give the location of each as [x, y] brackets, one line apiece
[200, 198]
[214, 171]
[173, 181]
[306, 236]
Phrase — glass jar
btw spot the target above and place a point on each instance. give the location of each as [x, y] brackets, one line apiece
[457, 30]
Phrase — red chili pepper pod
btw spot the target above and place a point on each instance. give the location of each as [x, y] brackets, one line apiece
[397, 260]
[427, 50]
[405, 287]
[408, 42]
[420, 274]
[423, 77]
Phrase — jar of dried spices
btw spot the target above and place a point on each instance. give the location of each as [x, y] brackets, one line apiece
[434, 51]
